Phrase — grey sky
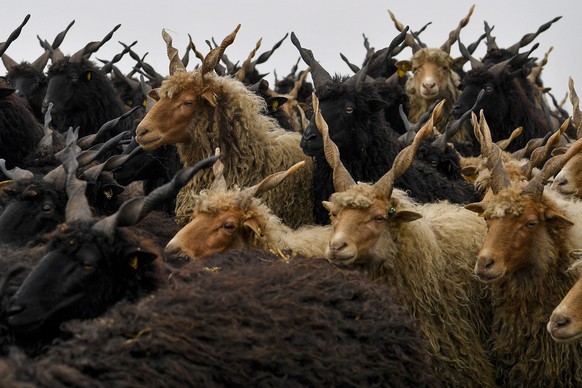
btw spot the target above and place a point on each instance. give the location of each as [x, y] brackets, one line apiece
[326, 27]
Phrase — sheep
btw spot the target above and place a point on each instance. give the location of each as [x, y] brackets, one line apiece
[200, 111]
[564, 324]
[237, 219]
[29, 79]
[244, 319]
[353, 109]
[567, 181]
[89, 263]
[433, 76]
[20, 132]
[426, 251]
[508, 103]
[523, 260]
[81, 94]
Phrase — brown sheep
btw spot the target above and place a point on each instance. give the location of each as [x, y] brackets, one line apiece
[523, 260]
[237, 219]
[565, 325]
[201, 110]
[426, 251]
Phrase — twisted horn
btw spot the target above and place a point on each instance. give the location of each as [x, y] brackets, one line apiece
[242, 72]
[92, 47]
[219, 183]
[12, 37]
[16, 174]
[212, 58]
[528, 38]
[490, 150]
[405, 157]
[342, 179]
[576, 113]
[77, 208]
[540, 154]
[176, 65]
[319, 75]
[535, 187]
[475, 63]
[410, 41]
[134, 209]
[454, 35]
[268, 183]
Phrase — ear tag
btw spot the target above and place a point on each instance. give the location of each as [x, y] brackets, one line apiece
[275, 104]
[144, 103]
[133, 262]
[89, 76]
[391, 211]
[108, 193]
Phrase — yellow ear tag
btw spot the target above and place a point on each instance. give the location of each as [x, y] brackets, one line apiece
[89, 76]
[275, 104]
[401, 73]
[133, 262]
[144, 103]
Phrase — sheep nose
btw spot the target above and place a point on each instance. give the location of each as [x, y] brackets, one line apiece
[429, 85]
[337, 246]
[561, 321]
[484, 262]
[308, 136]
[140, 132]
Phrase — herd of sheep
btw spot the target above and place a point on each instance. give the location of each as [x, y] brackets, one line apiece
[414, 223]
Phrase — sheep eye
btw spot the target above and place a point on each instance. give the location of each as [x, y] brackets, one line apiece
[488, 89]
[188, 103]
[46, 207]
[531, 224]
[349, 109]
[379, 218]
[228, 226]
[88, 266]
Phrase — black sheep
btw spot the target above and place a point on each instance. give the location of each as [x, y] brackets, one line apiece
[353, 108]
[242, 319]
[81, 93]
[20, 132]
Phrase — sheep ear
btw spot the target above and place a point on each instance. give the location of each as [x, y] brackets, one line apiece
[253, 224]
[403, 67]
[403, 216]
[140, 256]
[557, 219]
[477, 207]
[326, 205]
[210, 96]
[153, 94]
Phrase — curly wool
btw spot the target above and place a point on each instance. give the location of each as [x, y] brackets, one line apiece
[253, 146]
[430, 262]
[245, 319]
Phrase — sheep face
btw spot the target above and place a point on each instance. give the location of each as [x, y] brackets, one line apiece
[207, 234]
[432, 74]
[79, 277]
[471, 86]
[168, 120]
[521, 236]
[361, 220]
[569, 180]
[565, 325]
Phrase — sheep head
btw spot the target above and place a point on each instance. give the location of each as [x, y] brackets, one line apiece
[182, 97]
[227, 219]
[565, 325]
[360, 213]
[525, 227]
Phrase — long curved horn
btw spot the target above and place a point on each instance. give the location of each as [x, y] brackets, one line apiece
[134, 209]
[490, 150]
[8, 62]
[319, 75]
[342, 179]
[491, 44]
[16, 174]
[12, 37]
[535, 187]
[576, 113]
[246, 66]
[77, 208]
[212, 58]
[475, 63]
[268, 183]
[454, 35]
[219, 183]
[528, 38]
[405, 157]
[104, 132]
[540, 154]
[409, 38]
[92, 47]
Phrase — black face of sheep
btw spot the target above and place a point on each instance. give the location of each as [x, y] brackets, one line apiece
[91, 264]
[28, 210]
[81, 276]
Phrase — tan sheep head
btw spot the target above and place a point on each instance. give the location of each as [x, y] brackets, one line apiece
[565, 325]
[524, 227]
[181, 98]
[360, 213]
[226, 219]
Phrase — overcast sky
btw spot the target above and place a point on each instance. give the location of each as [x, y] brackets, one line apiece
[326, 27]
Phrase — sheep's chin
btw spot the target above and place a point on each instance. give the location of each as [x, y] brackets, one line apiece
[565, 339]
